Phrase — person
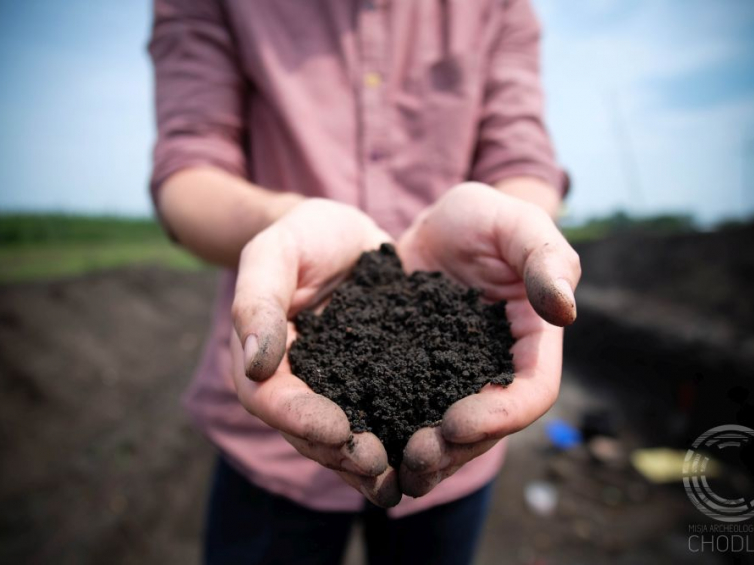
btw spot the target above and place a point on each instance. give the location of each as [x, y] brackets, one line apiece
[294, 135]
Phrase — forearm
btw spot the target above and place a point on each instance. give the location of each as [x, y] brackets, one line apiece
[214, 214]
[533, 190]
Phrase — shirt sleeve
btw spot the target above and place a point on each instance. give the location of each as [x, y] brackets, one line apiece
[199, 90]
[512, 138]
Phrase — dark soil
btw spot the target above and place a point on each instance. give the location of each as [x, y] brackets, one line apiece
[395, 350]
[98, 461]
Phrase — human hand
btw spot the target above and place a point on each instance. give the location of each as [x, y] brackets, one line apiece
[513, 251]
[292, 265]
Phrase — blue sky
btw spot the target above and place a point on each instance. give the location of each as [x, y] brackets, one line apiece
[650, 103]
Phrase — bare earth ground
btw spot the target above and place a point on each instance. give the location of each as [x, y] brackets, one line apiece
[98, 463]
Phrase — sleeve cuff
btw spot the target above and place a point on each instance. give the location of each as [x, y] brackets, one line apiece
[172, 156]
[552, 175]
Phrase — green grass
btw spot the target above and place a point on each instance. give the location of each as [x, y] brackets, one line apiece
[620, 222]
[45, 246]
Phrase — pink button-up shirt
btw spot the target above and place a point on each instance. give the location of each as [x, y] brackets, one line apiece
[376, 103]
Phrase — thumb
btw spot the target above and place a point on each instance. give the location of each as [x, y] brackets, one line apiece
[550, 275]
[267, 274]
[531, 242]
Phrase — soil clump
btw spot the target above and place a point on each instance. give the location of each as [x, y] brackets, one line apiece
[395, 350]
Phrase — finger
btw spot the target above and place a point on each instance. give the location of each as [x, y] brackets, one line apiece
[428, 451]
[382, 490]
[496, 412]
[551, 275]
[425, 451]
[286, 403]
[286, 406]
[531, 243]
[429, 459]
[267, 275]
[416, 484]
[367, 454]
[363, 454]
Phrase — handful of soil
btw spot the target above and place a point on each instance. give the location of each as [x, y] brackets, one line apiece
[394, 351]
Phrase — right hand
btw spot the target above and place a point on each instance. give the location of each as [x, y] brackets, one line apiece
[513, 251]
[292, 265]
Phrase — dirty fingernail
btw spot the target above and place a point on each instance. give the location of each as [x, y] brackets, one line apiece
[564, 289]
[250, 349]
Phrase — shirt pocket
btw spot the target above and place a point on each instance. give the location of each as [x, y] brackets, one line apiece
[436, 109]
[453, 102]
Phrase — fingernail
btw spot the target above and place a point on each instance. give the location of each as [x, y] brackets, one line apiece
[250, 349]
[565, 290]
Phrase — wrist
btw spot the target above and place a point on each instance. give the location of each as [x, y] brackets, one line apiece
[283, 202]
[533, 190]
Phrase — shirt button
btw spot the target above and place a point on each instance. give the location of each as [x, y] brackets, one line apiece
[377, 155]
[372, 79]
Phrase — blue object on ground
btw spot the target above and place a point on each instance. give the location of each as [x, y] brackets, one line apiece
[562, 434]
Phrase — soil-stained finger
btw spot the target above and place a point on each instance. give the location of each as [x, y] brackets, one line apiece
[326, 455]
[286, 403]
[362, 454]
[496, 412]
[531, 243]
[418, 484]
[461, 453]
[366, 454]
[452, 458]
[425, 451]
[382, 490]
[477, 417]
[550, 279]
[266, 282]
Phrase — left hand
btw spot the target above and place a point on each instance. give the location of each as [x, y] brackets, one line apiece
[513, 251]
[294, 264]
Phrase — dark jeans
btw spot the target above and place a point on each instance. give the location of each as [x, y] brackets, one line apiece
[248, 525]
